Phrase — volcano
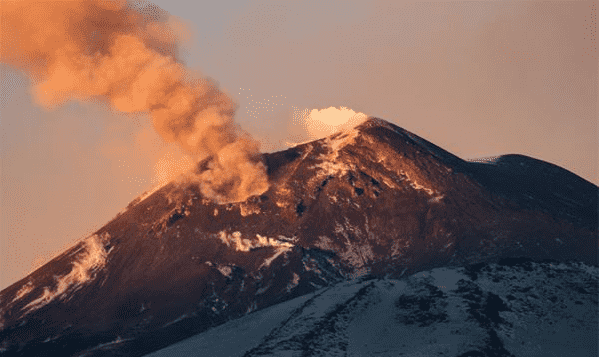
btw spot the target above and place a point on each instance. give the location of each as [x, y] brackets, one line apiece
[364, 206]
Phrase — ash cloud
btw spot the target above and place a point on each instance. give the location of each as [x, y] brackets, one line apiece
[125, 56]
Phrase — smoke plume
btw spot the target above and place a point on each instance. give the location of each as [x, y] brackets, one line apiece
[125, 55]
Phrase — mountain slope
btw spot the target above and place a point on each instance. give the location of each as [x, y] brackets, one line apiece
[375, 200]
[479, 310]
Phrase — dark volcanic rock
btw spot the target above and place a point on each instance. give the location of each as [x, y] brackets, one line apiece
[373, 201]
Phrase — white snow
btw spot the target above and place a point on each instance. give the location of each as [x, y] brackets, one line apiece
[107, 345]
[184, 316]
[436, 199]
[293, 239]
[446, 278]
[398, 246]
[486, 160]
[51, 338]
[235, 241]
[25, 289]
[269, 260]
[92, 259]
[225, 270]
[329, 165]
[329, 168]
[292, 284]
[338, 321]
[416, 185]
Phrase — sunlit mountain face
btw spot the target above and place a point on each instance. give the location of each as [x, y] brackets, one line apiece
[371, 202]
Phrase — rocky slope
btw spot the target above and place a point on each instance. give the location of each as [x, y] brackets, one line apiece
[370, 202]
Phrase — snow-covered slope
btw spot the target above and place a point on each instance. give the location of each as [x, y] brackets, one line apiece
[372, 201]
[514, 308]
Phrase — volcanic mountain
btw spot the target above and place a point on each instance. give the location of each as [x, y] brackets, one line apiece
[372, 202]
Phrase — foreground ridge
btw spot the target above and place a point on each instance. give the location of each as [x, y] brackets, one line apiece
[480, 310]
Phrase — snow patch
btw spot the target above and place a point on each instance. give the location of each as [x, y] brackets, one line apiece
[293, 283]
[293, 239]
[51, 338]
[328, 168]
[447, 278]
[311, 265]
[399, 246]
[486, 160]
[334, 144]
[245, 245]
[358, 273]
[25, 289]
[270, 242]
[357, 253]
[592, 270]
[184, 316]
[389, 183]
[225, 270]
[340, 140]
[418, 186]
[108, 345]
[92, 259]
[436, 199]
[267, 261]
[235, 241]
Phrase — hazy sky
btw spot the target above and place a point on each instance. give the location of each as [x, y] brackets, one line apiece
[476, 78]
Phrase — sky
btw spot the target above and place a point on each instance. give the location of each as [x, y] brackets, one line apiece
[476, 78]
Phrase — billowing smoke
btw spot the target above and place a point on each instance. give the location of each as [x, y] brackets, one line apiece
[125, 55]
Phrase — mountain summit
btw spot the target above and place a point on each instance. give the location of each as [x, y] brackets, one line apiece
[373, 201]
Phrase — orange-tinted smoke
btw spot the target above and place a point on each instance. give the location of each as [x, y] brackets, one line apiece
[125, 54]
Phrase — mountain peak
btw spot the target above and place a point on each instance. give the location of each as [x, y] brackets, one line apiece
[375, 200]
